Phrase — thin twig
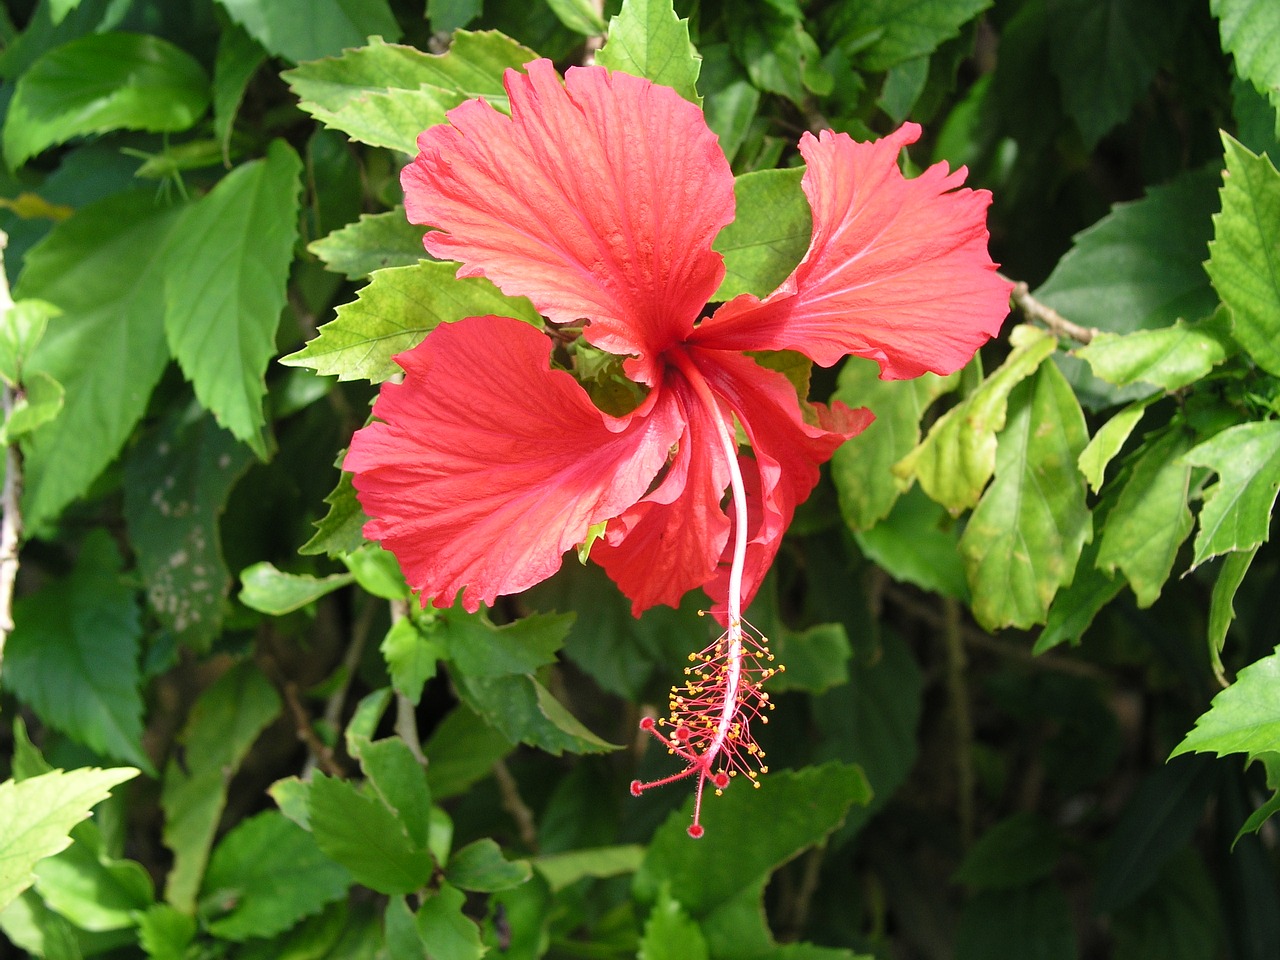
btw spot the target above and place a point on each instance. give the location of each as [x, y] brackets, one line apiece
[320, 750]
[514, 804]
[10, 497]
[1033, 309]
[406, 709]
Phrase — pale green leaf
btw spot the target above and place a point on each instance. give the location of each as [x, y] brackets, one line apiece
[1151, 519]
[885, 32]
[524, 711]
[238, 59]
[164, 932]
[104, 268]
[306, 29]
[769, 234]
[274, 592]
[562, 869]
[22, 327]
[411, 652]
[73, 654]
[1169, 358]
[39, 401]
[958, 456]
[375, 241]
[222, 726]
[1024, 539]
[365, 836]
[1109, 440]
[648, 40]
[670, 934]
[1249, 29]
[1075, 606]
[399, 779]
[226, 287]
[1242, 257]
[386, 94]
[265, 876]
[1222, 602]
[177, 482]
[398, 308]
[580, 16]
[1237, 510]
[862, 468]
[38, 814]
[101, 82]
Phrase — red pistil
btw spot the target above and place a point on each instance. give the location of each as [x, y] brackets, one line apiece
[711, 714]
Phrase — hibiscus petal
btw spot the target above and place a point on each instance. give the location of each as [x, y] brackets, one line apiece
[487, 465]
[787, 452]
[897, 270]
[597, 199]
[670, 542]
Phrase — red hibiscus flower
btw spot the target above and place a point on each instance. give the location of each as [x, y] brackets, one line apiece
[598, 199]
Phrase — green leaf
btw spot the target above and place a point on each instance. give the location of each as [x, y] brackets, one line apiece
[411, 651]
[479, 649]
[446, 931]
[462, 750]
[1158, 822]
[1244, 718]
[1176, 919]
[1105, 54]
[446, 16]
[1016, 852]
[1242, 264]
[374, 242]
[562, 869]
[398, 308]
[670, 934]
[1237, 510]
[377, 571]
[38, 815]
[93, 891]
[307, 29]
[401, 782]
[39, 401]
[918, 542]
[265, 876]
[385, 95]
[958, 456]
[580, 16]
[224, 293]
[365, 836]
[238, 59]
[341, 529]
[648, 40]
[1248, 28]
[886, 32]
[1075, 606]
[768, 236]
[862, 467]
[104, 268]
[794, 809]
[177, 480]
[1222, 603]
[780, 57]
[273, 592]
[1138, 268]
[101, 82]
[1024, 539]
[1169, 358]
[73, 654]
[1109, 440]
[1033, 921]
[164, 932]
[22, 327]
[1150, 520]
[524, 711]
[222, 726]
[480, 866]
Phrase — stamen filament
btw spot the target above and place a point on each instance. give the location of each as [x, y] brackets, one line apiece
[710, 715]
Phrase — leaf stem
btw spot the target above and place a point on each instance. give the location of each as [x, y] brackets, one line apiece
[11, 495]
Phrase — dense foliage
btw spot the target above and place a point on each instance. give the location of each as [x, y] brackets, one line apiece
[1016, 614]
